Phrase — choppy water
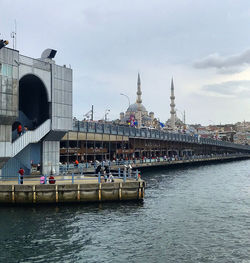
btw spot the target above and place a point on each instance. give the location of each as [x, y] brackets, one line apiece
[195, 214]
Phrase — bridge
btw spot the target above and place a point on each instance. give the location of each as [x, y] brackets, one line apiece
[89, 141]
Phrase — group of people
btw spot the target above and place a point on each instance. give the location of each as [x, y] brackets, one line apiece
[20, 129]
[105, 173]
[51, 179]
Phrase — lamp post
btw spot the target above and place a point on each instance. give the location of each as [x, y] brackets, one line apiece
[122, 94]
[183, 115]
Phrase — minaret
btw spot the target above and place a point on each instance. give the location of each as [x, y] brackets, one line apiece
[139, 93]
[172, 106]
[139, 100]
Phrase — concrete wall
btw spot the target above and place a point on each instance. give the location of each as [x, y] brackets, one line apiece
[61, 98]
[36, 67]
[75, 193]
[8, 100]
[50, 156]
[23, 159]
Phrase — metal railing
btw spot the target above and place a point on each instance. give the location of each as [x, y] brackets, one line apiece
[30, 137]
[85, 167]
[100, 177]
[132, 132]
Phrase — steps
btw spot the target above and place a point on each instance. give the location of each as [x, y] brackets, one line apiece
[30, 137]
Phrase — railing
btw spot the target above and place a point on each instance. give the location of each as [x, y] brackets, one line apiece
[132, 132]
[85, 167]
[30, 137]
[100, 177]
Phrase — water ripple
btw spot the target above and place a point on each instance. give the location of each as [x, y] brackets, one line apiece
[196, 214]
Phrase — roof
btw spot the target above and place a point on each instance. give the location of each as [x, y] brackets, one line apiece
[135, 107]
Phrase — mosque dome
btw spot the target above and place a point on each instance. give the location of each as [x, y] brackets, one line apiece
[135, 108]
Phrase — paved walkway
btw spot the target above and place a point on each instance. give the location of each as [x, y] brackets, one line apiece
[62, 180]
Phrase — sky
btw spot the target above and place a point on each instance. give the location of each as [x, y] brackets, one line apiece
[203, 45]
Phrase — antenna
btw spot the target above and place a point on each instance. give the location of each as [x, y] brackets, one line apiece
[13, 35]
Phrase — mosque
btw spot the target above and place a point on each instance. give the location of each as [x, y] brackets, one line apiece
[137, 115]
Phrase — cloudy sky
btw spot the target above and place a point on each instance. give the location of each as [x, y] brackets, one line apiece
[203, 45]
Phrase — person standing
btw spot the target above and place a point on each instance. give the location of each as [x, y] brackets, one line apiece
[19, 130]
[21, 173]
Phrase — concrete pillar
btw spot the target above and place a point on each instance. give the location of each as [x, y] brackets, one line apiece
[50, 156]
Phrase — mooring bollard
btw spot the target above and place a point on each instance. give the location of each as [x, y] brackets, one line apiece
[73, 178]
[99, 177]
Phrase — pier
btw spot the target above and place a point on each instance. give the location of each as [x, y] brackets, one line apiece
[74, 188]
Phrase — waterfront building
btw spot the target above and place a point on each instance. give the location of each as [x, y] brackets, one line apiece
[136, 114]
[36, 95]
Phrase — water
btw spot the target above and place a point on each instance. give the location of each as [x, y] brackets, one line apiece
[195, 214]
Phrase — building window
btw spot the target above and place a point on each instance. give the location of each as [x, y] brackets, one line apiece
[6, 70]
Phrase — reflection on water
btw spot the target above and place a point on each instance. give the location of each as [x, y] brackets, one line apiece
[194, 214]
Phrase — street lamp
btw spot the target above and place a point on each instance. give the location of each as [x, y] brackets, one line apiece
[106, 114]
[183, 115]
[126, 97]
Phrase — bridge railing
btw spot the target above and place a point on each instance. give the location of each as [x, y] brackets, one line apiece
[106, 128]
[91, 167]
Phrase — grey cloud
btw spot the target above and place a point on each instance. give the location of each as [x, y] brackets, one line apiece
[225, 64]
[235, 89]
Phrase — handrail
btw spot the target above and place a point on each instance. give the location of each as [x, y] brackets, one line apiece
[105, 128]
[84, 167]
[30, 137]
[100, 177]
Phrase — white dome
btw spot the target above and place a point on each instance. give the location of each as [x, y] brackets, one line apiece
[135, 107]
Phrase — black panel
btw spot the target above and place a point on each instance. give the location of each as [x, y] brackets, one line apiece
[33, 99]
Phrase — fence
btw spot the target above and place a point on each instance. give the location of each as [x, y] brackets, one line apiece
[101, 177]
[92, 127]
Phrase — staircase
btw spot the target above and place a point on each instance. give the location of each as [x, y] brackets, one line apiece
[30, 137]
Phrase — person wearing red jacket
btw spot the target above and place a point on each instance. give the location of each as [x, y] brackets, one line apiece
[21, 173]
[52, 180]
[19, 130]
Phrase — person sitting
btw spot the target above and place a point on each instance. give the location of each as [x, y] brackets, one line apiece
[111, 178]
[52, 180]
[42, 179]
